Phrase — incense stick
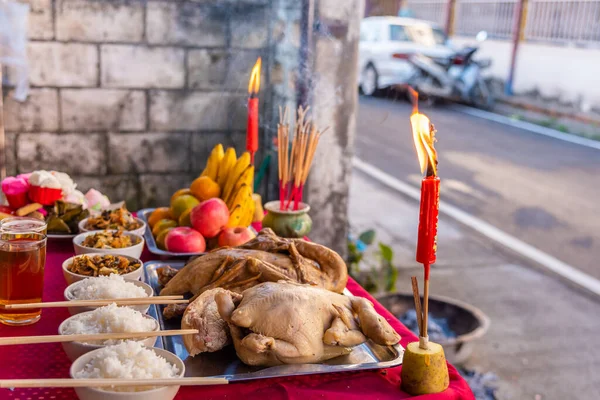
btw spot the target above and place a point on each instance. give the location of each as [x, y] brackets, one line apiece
[417, 298]
[91, 337]
[425, 304]
[44, 383]
[98, 303]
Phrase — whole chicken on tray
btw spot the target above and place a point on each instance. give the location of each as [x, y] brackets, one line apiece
[277, 299]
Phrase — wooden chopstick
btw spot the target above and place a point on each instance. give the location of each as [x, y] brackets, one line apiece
[98, 303]
[85, 338]
[43, 383]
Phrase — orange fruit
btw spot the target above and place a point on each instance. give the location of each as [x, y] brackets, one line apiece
[180, 192]
[204, 188]
[183, 203]
[162, 225]
[184, 219]
[158, 214]
[160, 239]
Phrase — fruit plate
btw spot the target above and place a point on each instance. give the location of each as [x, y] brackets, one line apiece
[225, 363]
[151, 243]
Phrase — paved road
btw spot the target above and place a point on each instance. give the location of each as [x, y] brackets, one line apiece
[544, 191]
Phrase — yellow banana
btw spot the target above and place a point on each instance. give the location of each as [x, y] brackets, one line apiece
[225, 166]
[240, 197]
[235, 216]
[212, 165]
[246, 178]
[246, 220]
[235, 173]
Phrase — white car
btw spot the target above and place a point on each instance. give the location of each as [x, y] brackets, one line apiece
[387, 42]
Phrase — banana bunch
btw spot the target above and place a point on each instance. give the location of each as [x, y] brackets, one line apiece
[235, 177]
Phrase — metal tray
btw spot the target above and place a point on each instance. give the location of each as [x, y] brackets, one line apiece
[151, 243]
[226, 364]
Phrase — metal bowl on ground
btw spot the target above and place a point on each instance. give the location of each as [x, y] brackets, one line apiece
[468, 322]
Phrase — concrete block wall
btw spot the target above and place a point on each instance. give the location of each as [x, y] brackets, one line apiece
[130, 95]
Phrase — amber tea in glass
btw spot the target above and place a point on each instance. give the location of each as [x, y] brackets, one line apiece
[22, 261]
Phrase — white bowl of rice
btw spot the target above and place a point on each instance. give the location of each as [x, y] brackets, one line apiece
[127, 360]
[107, 319]
[111, 287]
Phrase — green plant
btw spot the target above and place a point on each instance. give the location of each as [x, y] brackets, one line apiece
[371, 267]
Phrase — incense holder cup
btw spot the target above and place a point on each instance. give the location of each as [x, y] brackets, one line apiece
[288, 223]
[424, 371]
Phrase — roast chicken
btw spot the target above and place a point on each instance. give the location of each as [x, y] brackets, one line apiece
[284, 322]
[266, 258]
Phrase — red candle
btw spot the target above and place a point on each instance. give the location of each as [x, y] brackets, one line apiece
[424, 138]
[252, 126]
[428, 222]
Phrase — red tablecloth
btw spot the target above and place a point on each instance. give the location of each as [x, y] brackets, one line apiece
[49, 361]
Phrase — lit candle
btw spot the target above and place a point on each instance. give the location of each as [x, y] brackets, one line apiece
[252, 127]
[424, 138]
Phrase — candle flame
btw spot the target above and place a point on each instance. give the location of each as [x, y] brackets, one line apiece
[424, 137]
[254, 83]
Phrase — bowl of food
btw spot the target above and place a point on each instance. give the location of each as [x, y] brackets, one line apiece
[109, 242]
[128, 360]
[63, 219]
[118, 218]
[107, 319]
[91, 265]
[112, 287]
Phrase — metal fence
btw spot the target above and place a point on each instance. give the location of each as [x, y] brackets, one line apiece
[563, 21]
[550, 21]
[430, 10]
[494, 17]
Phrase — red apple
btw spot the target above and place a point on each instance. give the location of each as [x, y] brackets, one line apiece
[235, 236]
[210, 217]
[185, 240]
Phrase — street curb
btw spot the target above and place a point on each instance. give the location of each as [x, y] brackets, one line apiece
[551, 112]
[528, 126]
[541, 258]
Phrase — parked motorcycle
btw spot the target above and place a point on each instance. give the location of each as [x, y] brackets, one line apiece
[457, 78]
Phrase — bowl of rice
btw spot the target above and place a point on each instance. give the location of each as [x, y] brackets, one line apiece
[89, 265]
[110, 287]
[127, 360]
[107, 319]
[109, 242]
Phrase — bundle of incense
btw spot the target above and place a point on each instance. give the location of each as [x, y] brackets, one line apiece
[283, 148]
[294, 165]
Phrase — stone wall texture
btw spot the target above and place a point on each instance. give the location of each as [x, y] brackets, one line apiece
[130, 96]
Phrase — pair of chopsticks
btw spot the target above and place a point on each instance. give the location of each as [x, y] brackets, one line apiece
[137, 301]
[97, 383]
[6, 341]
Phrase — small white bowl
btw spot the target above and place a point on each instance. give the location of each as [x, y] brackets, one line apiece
[75, 350]
[77, 310]
[139, 231]
[134, 251]
[72, 277]
[161, 393]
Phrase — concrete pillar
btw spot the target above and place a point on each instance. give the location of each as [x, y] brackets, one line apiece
[335, 101]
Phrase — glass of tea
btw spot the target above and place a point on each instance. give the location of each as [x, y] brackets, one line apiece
[23, 224]
[22, 261]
